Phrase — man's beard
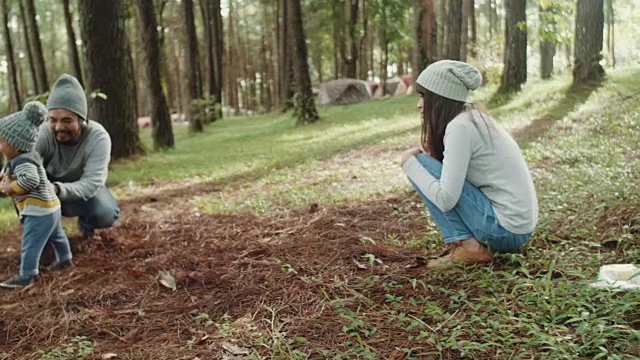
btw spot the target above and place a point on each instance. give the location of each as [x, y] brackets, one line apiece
[69, 142]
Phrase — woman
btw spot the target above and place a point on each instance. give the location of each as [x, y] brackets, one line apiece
[469, 171]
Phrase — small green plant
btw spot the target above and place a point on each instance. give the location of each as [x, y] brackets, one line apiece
[78, 348]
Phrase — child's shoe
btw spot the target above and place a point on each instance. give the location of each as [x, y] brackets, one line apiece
[17, 282]
[60, 265]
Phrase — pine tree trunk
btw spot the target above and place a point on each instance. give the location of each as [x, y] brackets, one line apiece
[384, 53]
[16, 104]
[454, 35]
[27, 46]
[305, 108]
[515, 52]
[36, 47]
[442, 29]
[351, 60]
[206, 11]
[191, 65]
[464, 31]
[286, 76]
[362, 48]
[165, 55]
[109, 71]
[426, 36]
[473, 51]
[547, 45]
[161, 130]
[611, 46]
[71, 41]
[588, 42]
[217, 35]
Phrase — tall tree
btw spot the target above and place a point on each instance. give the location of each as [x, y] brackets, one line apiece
[8, 45]
[464, 32]
[611, 37]
[36, 47]
[443, 28]
[351, 60]
[515, 52]
[110, 71]
[206, 8]
[217, 36]
[161, 130]
[191, 65]
[454, 34]
[27, 41]
[426, 35]
[547, 38]
[305, 108]
[71, 41]
[285, 65]
[473, 51]
[588, 42]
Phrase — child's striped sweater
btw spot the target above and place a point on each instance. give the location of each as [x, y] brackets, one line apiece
[31, 180]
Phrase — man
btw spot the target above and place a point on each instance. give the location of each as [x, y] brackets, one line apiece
[75, 153]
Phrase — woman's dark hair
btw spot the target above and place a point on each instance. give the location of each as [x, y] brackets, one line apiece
[438, 111]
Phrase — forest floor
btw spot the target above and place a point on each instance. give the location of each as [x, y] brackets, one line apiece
[323, 257]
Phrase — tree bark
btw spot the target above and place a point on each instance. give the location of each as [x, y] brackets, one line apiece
[362, 48]
[515, 53]
[305, 108]
[473, 51]
[588, 42]
[161, 130]
[426, 36]
[217, 35]
[464, 31]
[27, 46]
[191, 65]
[110, 72]
[165, 53]
[71, 41]
[611, 38]
[36, 47]
[443, 29]
[454, 35]
[547, 41]
[16, 103]
[286, 91]
[351, 60]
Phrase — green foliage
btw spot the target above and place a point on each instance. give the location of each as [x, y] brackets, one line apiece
[205, 110]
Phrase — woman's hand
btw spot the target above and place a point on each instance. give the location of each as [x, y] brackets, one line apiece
[409, 154]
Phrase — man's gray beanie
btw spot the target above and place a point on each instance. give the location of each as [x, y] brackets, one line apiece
[68, 94]
[450, 79]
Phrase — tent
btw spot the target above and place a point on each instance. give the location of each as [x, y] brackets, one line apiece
[343, 91]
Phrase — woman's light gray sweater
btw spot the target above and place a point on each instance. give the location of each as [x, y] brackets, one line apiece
[483, 153]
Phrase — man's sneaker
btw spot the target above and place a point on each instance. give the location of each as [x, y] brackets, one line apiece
[88, 234]
[17, 282]
[59, 265]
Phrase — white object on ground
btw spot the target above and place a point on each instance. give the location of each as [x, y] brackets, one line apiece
[618, 276]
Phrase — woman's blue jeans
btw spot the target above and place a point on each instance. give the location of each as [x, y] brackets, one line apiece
[472, 217]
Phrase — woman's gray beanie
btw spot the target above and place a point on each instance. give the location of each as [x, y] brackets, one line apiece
[450, 79]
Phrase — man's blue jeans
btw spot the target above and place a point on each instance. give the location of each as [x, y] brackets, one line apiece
[472, 217]
[37, 231]
[101, 211]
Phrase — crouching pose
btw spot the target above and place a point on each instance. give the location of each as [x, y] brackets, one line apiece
[469, 171]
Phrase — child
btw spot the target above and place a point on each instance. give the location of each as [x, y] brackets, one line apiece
[24, 179]
[469, 170]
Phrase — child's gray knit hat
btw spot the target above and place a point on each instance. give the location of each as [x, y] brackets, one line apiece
[20, 129]
[450, 79]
